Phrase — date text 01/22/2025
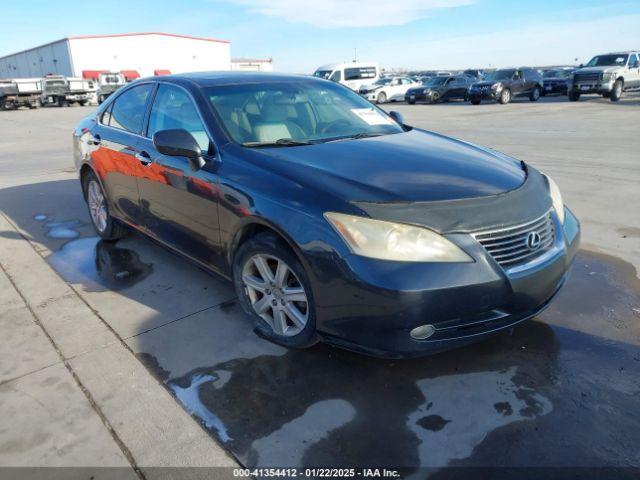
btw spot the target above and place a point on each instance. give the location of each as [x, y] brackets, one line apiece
[316, 473]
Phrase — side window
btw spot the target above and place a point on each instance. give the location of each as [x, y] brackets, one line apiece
[352, 74]
[173, 109]
[337, 76]
[127, 112]
[633, 61]
[106, 115]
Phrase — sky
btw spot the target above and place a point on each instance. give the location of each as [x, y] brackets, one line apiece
[301, 35]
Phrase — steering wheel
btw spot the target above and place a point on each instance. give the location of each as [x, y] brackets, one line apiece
[335, 124]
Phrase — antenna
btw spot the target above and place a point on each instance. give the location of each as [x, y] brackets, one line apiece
[355, 54]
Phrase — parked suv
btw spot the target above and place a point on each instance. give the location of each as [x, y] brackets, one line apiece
[506, 83]
[608, 75]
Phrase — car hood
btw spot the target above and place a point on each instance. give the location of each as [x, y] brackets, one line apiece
[555, 79]
[411, 166]
[598, 69]
[487, 84]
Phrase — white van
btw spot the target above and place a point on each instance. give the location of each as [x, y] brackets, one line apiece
[353, 75]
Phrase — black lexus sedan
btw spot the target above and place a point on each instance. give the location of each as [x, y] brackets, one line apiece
[334, 220]
[556, 80]
[440, 89]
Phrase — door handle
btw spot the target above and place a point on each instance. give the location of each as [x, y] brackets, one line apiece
[144, 158]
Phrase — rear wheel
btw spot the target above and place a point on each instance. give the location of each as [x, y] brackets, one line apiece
[505, 96]
[272, 287]
[382, 97]
[107, 227]
[616, 92]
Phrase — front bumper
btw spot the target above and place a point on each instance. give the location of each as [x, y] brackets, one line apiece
[555, 88]
[417, 97]
[375, 304]
[593, 87]
[488, 94]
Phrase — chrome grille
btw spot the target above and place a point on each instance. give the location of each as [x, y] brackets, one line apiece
[510, 246]
[587, 77]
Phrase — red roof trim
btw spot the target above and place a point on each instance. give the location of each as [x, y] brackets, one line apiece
[130, 74]
[158, 73]
[93, 74]
[177, 35]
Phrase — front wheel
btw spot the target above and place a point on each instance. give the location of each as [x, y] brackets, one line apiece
[475, 102]
[105, 225]
[535, 95]
[574, 96]
[616, 92]
[411, 102]
[382, 98]
[505, 96]
[272, 287]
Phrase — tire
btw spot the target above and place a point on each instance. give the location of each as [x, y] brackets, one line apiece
[574, 96]
[276, 323]
[411, 102]
[107, 227]
[83, 103]
[382, 98]
[435, 98]
[535, 95]
[616, 92]
[505, 96]
[475, 102]
[3, 103]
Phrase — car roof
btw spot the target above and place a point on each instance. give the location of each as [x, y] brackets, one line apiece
[211, 79]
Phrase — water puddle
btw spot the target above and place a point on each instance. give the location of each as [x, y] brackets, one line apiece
[99, 265]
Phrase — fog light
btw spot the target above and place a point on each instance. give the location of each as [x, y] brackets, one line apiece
[423, 332]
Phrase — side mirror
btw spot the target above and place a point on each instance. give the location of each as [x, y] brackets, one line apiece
[179, 143]
[397, 116]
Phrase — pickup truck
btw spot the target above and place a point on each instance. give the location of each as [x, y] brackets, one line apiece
[61, 91]
[109, 83]
[20, 92]
[608, 75]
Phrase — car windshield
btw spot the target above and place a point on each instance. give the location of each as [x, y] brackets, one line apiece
[608, 61]
[499, 75]
[55, 83]
[322, 74]
[383, 81]
[296, 112]
[436, 81]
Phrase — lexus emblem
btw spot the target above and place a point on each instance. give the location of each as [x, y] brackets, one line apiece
[533, 241]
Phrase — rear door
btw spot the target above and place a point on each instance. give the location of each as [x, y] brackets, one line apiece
[180, 206]
[115, 137]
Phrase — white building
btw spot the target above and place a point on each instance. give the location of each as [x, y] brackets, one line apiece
[143, 53]
[252, 64]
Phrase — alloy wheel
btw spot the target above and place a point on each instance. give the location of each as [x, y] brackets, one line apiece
[276, 294]
[97, 206]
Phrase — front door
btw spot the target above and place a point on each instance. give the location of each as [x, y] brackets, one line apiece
[634, 71]
[180, 206]
[115, 138]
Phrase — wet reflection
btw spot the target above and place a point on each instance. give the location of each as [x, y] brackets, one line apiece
[99, 264]
[549, 394]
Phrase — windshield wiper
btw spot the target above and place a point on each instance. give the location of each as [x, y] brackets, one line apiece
[281, 142]
[351, 137]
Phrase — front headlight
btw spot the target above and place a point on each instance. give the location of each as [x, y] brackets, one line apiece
[556, 198]
[496, 86]
[394, 241]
